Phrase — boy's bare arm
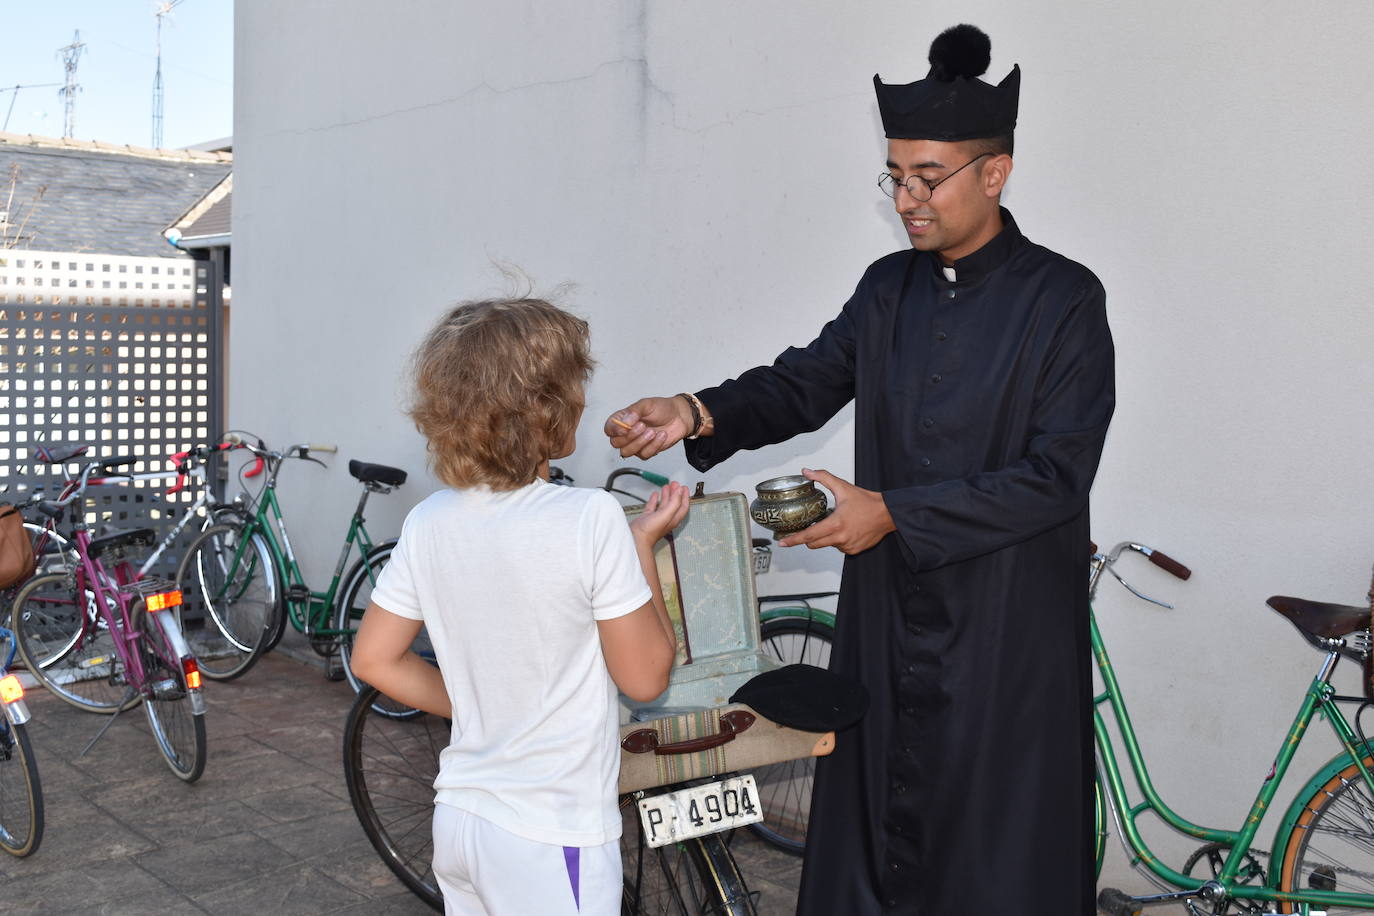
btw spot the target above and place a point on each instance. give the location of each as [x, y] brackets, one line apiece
[640, 647]
[382, 657]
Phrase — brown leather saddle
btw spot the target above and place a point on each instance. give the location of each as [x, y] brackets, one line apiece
[1319, 621]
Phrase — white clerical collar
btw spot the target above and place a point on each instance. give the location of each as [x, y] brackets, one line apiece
[949, 274]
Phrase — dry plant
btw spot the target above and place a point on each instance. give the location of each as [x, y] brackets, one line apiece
[10, 234]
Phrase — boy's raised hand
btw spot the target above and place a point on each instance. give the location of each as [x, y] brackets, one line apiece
[663, 511]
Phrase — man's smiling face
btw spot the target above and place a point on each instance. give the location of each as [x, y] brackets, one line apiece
[962, 213]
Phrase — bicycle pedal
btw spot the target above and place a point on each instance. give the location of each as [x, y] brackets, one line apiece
[1117, 903]
[297, 593]
[333, 668]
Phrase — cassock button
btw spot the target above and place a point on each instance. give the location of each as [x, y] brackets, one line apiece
[892, 904]
[898, 788]
[910, 669]
[941, 335]
[927, 422]
[925, 462]
[935, 379]
[949, 294]
[908, 710]
[894, 866]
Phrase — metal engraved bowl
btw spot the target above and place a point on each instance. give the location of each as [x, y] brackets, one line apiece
[786, 505]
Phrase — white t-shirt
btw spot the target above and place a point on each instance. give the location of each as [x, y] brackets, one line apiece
[510, 586]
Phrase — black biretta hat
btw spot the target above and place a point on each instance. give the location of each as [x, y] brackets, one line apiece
[805, 697]
[951, 103]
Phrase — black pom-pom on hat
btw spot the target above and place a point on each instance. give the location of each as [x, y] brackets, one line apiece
[963, 50]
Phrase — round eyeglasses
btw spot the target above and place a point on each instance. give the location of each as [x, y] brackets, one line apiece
[921, 189]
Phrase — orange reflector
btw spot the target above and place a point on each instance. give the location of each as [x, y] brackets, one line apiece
[191, 670]
[163, 601]
[10, 688]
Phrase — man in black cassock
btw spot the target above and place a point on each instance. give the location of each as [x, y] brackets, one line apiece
[981, 368]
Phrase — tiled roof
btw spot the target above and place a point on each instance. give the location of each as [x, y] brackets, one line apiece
[209, 216]
[102, 198]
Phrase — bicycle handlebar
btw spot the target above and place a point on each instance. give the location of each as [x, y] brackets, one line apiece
[1157, 557]
[1169, 564]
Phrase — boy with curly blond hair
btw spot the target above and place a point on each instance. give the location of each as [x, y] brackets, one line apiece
[540, 601]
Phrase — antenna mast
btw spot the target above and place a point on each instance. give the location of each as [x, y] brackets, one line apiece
[70, 55]
[164, 8]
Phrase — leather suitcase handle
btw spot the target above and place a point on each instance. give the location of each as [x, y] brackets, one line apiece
[732, 723]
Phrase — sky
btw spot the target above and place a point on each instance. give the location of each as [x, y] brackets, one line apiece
[116, 70]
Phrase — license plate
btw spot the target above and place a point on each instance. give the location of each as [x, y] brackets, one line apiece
[700, 810]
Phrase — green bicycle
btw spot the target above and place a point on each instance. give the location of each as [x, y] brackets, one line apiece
[243, 574]
[1322, 861]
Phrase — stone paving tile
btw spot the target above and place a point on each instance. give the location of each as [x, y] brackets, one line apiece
[296, 890]
[404, 904]
[360, 869]
[298, 803]
[197, 869]
[68, 890]
[328, 833]
[76, 832]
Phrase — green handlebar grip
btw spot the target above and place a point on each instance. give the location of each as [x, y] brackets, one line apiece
[657, 480]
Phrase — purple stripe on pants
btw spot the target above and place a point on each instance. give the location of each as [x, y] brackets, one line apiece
[572, 857]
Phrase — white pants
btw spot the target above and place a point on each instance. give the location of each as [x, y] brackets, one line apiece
[483, 870]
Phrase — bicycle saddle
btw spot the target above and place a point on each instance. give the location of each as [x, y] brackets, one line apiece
[376, 473]
[1324, 621]
[58, 454]
[137, 537]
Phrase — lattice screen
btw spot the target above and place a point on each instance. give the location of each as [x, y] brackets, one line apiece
[117, 353]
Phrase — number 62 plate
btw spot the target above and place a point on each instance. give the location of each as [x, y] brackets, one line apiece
[700, 810]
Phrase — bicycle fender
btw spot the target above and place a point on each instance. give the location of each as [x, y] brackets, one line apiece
[1295, 809]
[816, 615]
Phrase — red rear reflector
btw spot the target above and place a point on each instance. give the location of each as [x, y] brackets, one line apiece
[10, 688]
[163, 601]
[191, 670]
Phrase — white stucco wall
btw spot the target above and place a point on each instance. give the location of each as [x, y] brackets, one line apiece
[705, 174]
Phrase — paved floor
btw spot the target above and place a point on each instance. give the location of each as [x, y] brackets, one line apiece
[267, 830]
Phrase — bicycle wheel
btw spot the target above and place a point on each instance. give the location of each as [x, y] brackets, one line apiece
[785, 788]
[389, 766]
[353, 600]
[51, 554]
[67, 646]
[232, 580]
[178, 730]
[21, 793]
[1331, 845]
[693, 877]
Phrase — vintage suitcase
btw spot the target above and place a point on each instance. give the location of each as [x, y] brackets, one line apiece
[692, 745]
[706, 567]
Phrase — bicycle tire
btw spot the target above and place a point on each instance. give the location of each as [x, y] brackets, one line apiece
[85, 672]
[21, 806]
[785, 788]
[1332, 838]
[688, 878]
[353, 600]
[396, 761]
[236, 590]
[51, 554]
[177, 729]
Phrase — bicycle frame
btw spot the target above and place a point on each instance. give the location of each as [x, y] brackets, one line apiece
[1319, 698]
[309, 609]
